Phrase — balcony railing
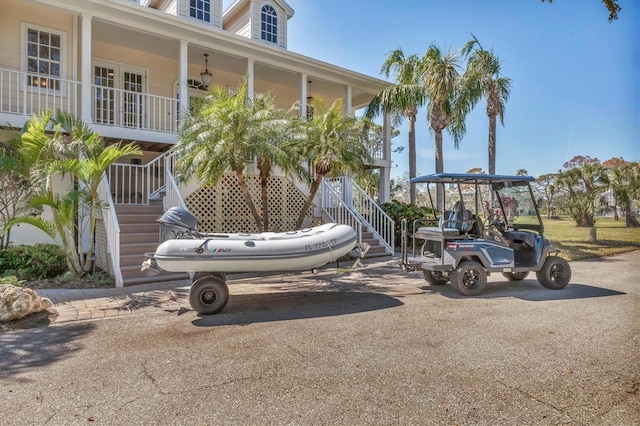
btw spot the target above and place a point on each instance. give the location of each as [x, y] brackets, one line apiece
[25, 94]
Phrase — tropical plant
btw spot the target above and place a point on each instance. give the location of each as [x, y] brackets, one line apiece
[334, 143]
[402, 99]
[545, 187]
[15, 187]
[440, 79]
[482, 79]
[612, 6]
[583, 180]
[624, 181]
[72, 150]
[224, 131]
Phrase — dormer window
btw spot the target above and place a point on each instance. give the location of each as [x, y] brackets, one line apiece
[200, 10]
[269, 24]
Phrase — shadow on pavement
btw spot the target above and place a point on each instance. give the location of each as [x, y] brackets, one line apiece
[248, 309]
[39, 347]
[529, 290]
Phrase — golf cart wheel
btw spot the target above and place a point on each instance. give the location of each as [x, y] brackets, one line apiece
[555, 273]
[434, 278]
[515, 276]
[469, 278]
[208, 295]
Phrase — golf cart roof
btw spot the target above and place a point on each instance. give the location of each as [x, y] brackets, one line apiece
[469, 178]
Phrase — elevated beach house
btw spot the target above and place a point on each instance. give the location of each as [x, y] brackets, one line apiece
[129, 69]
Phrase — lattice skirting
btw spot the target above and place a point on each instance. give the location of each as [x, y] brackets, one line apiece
[222, 208]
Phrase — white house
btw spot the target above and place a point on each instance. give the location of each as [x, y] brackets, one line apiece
[130, 67]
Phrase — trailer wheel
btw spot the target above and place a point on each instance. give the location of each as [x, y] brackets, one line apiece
[469, 278]
[434, 278]
[208, 295]
[199, 275]
[555, 273]
[515, 276]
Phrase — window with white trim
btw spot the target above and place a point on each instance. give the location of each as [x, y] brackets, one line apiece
[269, 24]
[44, 57]
[200, 10]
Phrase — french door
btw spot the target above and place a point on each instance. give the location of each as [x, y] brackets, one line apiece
[119, 95]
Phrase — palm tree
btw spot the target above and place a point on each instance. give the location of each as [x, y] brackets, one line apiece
[401, 100]
[440, 79]
[73, 150]
[271, 149]
[480, 80]
[89, 166]
[224, 131]
[334, 142]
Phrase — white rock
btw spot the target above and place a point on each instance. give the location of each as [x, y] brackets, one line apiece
[18, 302]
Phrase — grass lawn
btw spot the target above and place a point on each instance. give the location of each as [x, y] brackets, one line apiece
[612, 238]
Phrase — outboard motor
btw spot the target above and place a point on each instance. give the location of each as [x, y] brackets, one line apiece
[177, 223]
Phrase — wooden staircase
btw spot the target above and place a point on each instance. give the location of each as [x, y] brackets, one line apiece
[140, 234]
[375, 248]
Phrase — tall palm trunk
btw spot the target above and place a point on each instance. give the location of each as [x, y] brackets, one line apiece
[315, 185]
[411, 116]
[247, 197]
[439, 168]
[492, 144]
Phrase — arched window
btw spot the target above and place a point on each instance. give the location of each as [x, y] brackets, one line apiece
[269, 24]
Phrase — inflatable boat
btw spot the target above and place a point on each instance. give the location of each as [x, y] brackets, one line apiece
[268, 251]
[209, 256]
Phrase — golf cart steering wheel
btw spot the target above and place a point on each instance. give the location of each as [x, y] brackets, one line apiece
[493, 220]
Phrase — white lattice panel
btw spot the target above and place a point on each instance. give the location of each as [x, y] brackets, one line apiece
[222, 208]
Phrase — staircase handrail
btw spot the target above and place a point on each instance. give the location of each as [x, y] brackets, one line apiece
[112, 229]
[372, 216]
[382, 226]
[173, 197]
[338, 211]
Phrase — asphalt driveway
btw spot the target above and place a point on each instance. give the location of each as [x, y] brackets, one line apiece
[372, 346]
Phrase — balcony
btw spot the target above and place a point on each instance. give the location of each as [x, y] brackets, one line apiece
[114, 112]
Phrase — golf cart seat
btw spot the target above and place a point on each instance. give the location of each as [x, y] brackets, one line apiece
[452, 224]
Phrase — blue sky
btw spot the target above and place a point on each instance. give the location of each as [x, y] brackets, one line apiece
[576, 77]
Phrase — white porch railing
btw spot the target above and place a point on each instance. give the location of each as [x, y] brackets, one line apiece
[26, 94]
[112, 229]
[364, 208]
[125, 108]
[137, 184]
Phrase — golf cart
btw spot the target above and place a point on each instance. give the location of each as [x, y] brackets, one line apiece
[490, 223]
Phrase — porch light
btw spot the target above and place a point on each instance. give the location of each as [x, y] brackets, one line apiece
[205, 76]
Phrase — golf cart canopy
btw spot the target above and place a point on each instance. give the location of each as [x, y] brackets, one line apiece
[469, 178]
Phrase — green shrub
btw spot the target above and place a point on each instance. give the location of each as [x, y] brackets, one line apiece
[398, 210]
[33, 262]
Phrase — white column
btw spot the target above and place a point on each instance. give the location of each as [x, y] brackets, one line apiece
[250, 77]
[348, 107]
[183, 74]
[385, 172]
[85, 70]
[303, 95]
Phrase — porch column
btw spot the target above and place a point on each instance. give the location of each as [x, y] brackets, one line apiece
[85, 69]
[183, 74]
[348, 107]
[250, 76]
[385, 172]
[304, 78]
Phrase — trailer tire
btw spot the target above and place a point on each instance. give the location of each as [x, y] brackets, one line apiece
[555, 273]
[208, 295]
[469, 278]
[434, 278]
[515, 276]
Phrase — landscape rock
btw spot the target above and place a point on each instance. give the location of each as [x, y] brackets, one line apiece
[18, 302]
